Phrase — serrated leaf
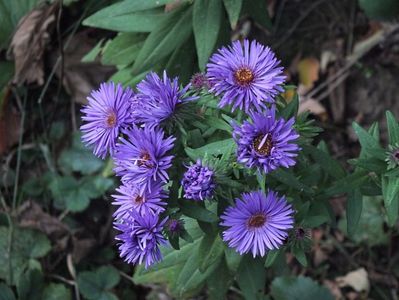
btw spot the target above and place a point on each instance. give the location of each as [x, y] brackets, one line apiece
[393, 128]
[298, 288]
[251, 277]
[233, 8]
[129, 16]
[206, 25]
[27, 245]
[354, 205]
[96, 284]
[169, 34]
[56, 291]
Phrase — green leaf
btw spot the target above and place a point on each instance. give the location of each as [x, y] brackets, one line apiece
[233, 259]
[258, 11]
[219, 282]
[27, 245]
[123, 49]
[79, 160]
[348, 183]
[326, 162]
[289, 179]
[195, 211]
[173, 30]
[390, 192]
[371, 164]
[30, 285]
[251, 277]
[300, 255]
[233, 8]
[370, 144]
[206, 25]
[96, 285]
[129, 16]
[5, 292]
[393, 128]
[298, 288]
[93, 53]
[213, 254]
[56, 291]
[354, 205]
[291, 109]
[271, 257]
[212, 149]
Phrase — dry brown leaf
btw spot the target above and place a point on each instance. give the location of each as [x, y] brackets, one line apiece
[31, 215]
[80, 78]
[81, 248]
[29, 42]
[10, 127]
[314, 107]
[308, 70]
[358, 280]
[334, 289]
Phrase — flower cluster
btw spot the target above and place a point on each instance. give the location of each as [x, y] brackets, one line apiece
[129, 125]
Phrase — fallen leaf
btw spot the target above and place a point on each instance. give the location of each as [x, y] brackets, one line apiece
[81, 248]
[29, 42]
[308, 70]
[358, 280]
[315, 107]
[31, 215]
[334, 289]
[80, 78]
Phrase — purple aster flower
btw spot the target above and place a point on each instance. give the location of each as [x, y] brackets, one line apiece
[266, 142]
[130, 198]
[174, 226]
[257, 223]
[140, 238]
[198, 182]
[158, 99]
[106, 112]
[141, 157]
[246, 76]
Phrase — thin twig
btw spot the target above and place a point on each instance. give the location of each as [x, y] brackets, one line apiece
[297, 23]
[23, 114]
[60, 278]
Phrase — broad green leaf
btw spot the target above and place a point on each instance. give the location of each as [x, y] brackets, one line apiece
[271, 257]
[390, 192]
[27, 245]
[169, 34]
[96, 284]
[123, 49]
[233, 8]
[6, 293]
[129, 16]
[326, 162]
[79, 160]
[354, 205]
[206, 25]
[233, 259]
[195, 211]
[30, 285]
[291, 109]
[298, 288]
[212, 149]
[251, 277]
[393, 128]
[213, 254]
[56, 291]
[219, 282]
[370, 145]
[258, 11]
[370, 229]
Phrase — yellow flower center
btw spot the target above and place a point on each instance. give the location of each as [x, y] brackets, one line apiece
[263, 144]
[243, 76]
[257, 220]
